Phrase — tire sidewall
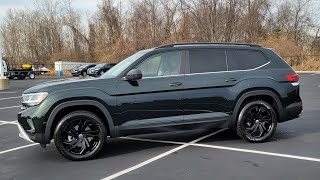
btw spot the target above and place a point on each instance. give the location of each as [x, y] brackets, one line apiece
[32, 76]
[65, 121]
[240, 130]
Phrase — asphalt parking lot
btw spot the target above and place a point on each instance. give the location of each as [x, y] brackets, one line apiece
[293, 152]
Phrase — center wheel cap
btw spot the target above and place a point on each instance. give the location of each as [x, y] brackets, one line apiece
[80, 136]
[257, 121]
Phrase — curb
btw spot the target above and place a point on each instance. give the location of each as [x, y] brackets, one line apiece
[308, 72]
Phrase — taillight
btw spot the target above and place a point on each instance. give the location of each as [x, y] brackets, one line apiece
[292, 77]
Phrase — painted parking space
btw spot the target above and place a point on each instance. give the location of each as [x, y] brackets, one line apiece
[291, 154]
[9, 137]
[205, 163]
[116, 155]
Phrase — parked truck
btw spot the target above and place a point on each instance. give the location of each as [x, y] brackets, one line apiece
[23, 71]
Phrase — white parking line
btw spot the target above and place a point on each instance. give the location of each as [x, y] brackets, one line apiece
[9, 92]
[8, 122]
[160, 156]
[10, 107]
[151, 140]
[17, 148]
[11, 98]
[229, 149]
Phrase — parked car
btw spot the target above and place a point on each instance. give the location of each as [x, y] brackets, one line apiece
[81, 70]
[100, 69]
[244, 87]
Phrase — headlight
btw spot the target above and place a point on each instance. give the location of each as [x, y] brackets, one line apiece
[33, 99]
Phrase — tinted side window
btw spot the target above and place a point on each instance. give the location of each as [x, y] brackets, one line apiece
[163, 64]
[207, 60]
[245, 59]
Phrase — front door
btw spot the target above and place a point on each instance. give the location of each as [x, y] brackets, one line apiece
[156, 99]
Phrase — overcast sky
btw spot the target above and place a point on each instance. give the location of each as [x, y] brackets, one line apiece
[81, 5]
[89, 6]
[84, 6]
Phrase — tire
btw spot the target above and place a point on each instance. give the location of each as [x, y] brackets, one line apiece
[21, 77]
[84, 74]
[76, 144]
[11, 77]
[257, 122]
[32, 76]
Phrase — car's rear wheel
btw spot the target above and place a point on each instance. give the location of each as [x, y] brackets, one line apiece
[80, 135]
[84, 74]
[257, 122]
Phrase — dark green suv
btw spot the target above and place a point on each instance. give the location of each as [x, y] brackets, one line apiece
[244, 87]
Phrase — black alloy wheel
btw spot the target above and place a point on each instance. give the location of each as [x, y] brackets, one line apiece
[257, 122]
[80, 135]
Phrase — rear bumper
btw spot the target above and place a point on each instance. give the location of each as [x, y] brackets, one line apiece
[292, 111]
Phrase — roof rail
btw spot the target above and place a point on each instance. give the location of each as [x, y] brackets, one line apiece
[206, 43]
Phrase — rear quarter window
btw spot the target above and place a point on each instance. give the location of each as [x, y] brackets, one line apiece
[245, 59]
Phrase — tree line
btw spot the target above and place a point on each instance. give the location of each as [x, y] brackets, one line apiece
[53, 30]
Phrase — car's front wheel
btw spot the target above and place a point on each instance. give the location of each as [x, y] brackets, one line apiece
[257, 122]
[80, 135]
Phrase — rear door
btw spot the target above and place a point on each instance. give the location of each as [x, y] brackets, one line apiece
[205, 96]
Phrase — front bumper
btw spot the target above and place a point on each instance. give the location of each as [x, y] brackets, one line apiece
[93, 73]
[31, 127]
[23, 134]
[78, 73]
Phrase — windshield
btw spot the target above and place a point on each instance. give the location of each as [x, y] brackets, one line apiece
[120, 67]
[99, 65]
[81, 67]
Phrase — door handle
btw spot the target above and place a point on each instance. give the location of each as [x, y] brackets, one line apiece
[231, 80]
[175, 84]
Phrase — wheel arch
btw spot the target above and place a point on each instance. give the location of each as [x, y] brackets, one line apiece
[70, 105]
[262, 94]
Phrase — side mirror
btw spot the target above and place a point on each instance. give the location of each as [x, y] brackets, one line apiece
[133, 75]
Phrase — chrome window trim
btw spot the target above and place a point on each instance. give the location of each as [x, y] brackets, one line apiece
[189, 74]
[162, 76]
[232, 71]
